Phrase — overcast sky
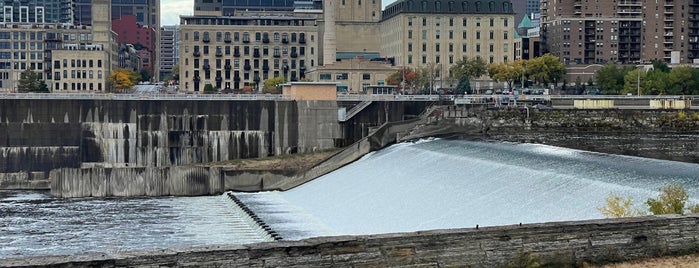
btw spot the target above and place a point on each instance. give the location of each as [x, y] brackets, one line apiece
[170, 10]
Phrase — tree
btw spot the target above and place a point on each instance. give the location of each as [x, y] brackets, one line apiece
[671, 200]
[506, 72]
[145, 76]
[176, 73]
[660, 66]
[471, 68]
[545, 69]
[618, 207]
[29, 81]
[684, 80]
[410, 76]
[209, 89]
[610, 79]
[656, 82]
[464, 86]
[272, 85]
[123, 79]
[634, 82]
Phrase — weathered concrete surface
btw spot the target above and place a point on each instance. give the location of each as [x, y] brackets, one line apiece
[662, 134]
[562, 244]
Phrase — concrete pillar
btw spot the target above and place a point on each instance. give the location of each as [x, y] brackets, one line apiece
[329, 45]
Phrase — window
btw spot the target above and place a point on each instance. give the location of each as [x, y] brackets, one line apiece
[464, 34]
[436, 47]
[492, 22]
[437, 34]
[410, 59]
[478, 47]
[424, 21]
[451, 20]
[196, 36]
[491, 48]
[341, 76]
[492, 35]
[424, 47]
[366, 76]
[451, 34]
[424, 34]
[236, 36]
[410, 34]
[504, 35]
[464, 22]
[410, 21]
[451, 47]
[325, 76]
[410, 47]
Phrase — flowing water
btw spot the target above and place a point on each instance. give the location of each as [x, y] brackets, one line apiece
[34, 223]
[457, 183]
[430, 184]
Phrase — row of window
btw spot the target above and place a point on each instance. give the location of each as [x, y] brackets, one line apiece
[464, 34]
[248, 65]
[259, 37]
[464, 22]
[226, 50]
[22, 45]
[437, 47]
[78, 86]
[77, 64]
[22, 65]
[30, 36]
[77, 75]
[437, 59]
[21, 55]
[342, 76]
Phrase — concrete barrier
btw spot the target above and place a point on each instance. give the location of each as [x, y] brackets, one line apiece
[670, 104]
[559, 244]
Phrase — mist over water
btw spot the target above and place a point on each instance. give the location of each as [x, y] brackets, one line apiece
[439, 184]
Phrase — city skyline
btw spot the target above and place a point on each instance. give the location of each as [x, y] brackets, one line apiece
[170, 10]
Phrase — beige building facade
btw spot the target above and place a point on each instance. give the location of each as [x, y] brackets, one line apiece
[425, 33]
[239, 52]
[354, 75]
[310, 90]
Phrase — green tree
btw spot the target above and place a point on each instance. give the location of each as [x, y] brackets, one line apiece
[632, 80]
[145, 76]
[660, 66]
[618, 207]
[272, 85]
[471, 68]
[684, 80]
[610, 79]
[656, 82]
[209, 89]
[176, 73]
[30, 81]
[464, 86]
[672, 200]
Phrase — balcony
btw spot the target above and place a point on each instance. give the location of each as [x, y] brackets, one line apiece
[302, 40]
[265, 40]
[265, 68]
[206, 39]
[218, 79]
[294, 55]
[277, 55]
[246, 40]
[247, 67]
[227, 40]
[196, 54]
[256, 54]
[219, 54]
[236, 79]
[197, 79]
[285, 40]
[207, 67]
[236, 53]
[227, 67]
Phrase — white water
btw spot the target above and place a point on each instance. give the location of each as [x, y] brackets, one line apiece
[454, 183]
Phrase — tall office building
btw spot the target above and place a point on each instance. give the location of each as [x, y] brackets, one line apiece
[169, 49]
[37, 11]
[629, 31]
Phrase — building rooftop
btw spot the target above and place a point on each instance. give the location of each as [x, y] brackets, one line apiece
[448, 7]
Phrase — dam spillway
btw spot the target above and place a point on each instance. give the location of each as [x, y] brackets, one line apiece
[437, 184]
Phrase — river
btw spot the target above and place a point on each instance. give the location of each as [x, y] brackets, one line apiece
[430, 184]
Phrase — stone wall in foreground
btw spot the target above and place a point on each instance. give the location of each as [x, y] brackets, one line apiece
[559, 244]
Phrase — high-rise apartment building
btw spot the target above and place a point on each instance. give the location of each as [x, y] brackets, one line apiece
[169, 49]
[625, 31]
[436, 33]
[232, 7]
[37, 11]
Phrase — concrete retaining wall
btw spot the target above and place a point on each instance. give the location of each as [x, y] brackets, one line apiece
[561, 244]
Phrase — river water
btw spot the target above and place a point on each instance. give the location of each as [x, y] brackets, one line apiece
[34, 223]
[430, 184]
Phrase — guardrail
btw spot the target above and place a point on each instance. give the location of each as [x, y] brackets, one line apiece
[108, 96]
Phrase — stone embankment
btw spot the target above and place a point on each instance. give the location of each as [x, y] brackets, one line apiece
[560, 244]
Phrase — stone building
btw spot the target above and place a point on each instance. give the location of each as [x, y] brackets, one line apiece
[436, 34]
[243, 51]
[85, 65]
[628, 32]
[353, 75]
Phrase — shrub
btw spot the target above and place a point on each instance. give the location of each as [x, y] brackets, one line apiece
[681, 115]
[525, 259]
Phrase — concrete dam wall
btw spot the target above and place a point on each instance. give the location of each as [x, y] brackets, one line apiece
[559, 244]
[40, 135]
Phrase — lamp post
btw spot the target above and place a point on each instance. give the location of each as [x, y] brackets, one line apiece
[638, 82]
